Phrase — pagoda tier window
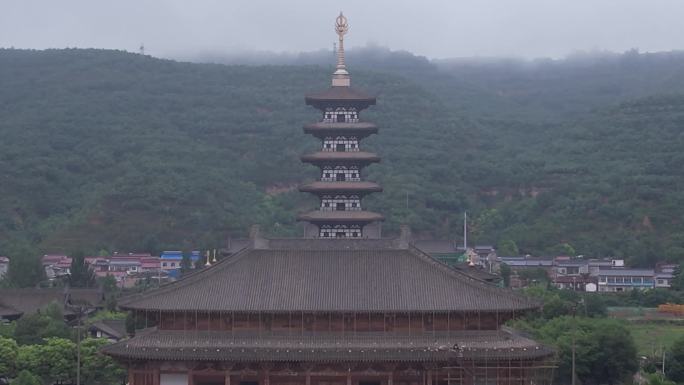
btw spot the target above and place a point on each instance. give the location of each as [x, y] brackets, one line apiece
[340, 174]
[341, 143]
[340, 203]
[340, 231]
[341, 115]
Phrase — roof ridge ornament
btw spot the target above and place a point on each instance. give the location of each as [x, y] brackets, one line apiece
[341, 76]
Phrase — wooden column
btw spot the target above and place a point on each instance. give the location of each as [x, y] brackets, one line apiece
[390, 378]
[226, 380]
[267, 377]
[308, 377]
[429, 377]
[349, 379]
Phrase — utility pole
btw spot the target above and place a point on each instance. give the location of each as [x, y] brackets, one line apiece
[574, 332]
[80, 311]
[78, 348]
[465, 231]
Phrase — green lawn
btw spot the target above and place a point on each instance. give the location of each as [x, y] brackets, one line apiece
[650, 337]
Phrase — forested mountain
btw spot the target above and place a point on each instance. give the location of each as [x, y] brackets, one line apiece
[111, 150]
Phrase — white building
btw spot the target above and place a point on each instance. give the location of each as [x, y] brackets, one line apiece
[4, 266]
[626, 279]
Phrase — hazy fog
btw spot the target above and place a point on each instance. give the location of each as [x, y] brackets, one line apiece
[437, 29]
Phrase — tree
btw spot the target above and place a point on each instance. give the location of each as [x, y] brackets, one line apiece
[33, 328]
[8, 356]
[26, 378]
[675, 361]
[59, 356]
[594, 305]
[506, 274]
[54, 360]
[658, 379]
[97, 368]
[7, 329]
[109, 284]
[678, 278]
[537, 275]
[185, 264]
[508, 248]
[81, 275]
[25, 268]
[605, 349]
[564, 249]
[29, 359]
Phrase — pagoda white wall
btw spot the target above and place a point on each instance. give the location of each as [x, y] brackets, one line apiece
[351, 174]
[351, 203]
[341, 115]
[351, 144]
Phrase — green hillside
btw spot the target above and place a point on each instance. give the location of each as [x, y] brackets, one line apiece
[111, 150]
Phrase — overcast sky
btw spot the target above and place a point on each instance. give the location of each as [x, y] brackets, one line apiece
[433, 28]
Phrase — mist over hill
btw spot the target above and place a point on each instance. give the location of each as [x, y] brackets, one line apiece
[118, 151]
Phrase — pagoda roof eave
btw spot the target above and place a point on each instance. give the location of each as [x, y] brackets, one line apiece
[340, 95]
[322, 129]
[342, 156]
[326, 347]
[341, 187]
[359, 216]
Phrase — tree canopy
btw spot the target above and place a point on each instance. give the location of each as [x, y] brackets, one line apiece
[136, 153]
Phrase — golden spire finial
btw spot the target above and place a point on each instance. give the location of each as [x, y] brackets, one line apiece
[341, 76]
[341, 26]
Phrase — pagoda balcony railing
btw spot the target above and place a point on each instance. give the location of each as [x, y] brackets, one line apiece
[347, 149]
[333, 179]
[335, 120]
[348, 208]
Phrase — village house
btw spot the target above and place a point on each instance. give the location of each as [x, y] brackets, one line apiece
[614, 280]
[664, 273]
[171, 262]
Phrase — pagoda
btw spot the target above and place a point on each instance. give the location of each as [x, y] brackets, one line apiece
[341, 159]
[351, 310]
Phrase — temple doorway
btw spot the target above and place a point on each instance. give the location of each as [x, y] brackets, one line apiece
[209, 379]
[370, 383]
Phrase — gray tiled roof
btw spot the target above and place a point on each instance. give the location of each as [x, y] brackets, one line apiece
[437, 246]
[619, 272]
[216, 345]
[111, 327]
[29, 301]
[329, 275]
[9, 311]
